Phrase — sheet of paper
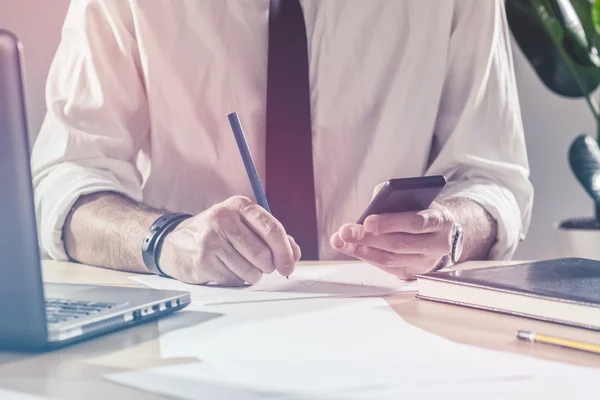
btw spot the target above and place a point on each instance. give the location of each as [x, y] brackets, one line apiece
[321, 328]
[334, 347]
[358, 380]
[340, 348]
[6, 394]
[338, 280]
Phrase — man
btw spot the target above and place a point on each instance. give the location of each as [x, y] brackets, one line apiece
[138, 95]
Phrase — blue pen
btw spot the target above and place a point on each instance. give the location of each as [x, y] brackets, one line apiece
[240, 138]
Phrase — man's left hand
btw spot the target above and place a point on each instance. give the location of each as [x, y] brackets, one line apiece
[403, 244]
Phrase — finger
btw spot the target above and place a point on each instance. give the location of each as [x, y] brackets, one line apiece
[228, 223]
[376, 256]
[239, 265]
[425, 221]
[295, 248]
[377, 189]
[251, 246]
[221, 275]
[273, 234]
[400, 243]
[336, 242]
[354, 232]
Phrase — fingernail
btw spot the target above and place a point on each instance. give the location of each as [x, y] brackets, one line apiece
[337, 242]
[353, 233]
[372, 223]
[346, 233]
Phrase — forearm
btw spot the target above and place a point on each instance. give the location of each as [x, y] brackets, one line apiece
[479, 228]
[107, 229]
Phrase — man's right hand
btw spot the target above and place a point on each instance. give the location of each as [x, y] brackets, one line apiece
[233, 242]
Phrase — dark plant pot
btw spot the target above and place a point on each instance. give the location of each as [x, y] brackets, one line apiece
[578, 237]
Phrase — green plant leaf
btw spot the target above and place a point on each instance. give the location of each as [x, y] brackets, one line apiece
[584, 10]
[546, 16]
[574, 40]
[596, 16]
[541, 36]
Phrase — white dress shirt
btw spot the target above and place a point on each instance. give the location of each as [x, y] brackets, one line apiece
[139, 91]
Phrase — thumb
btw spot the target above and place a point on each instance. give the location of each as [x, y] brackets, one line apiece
[377, 189]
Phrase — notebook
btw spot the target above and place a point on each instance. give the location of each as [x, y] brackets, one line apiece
[565, 290]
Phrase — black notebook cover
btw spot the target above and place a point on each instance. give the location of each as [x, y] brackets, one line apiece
[575, 280]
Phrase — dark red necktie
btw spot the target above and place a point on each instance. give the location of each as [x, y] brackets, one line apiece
[290, 178]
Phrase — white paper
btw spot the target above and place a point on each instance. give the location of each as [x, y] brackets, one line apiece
[394, 379]
[322, 328]
[338, 280]
[355, 349]
[355, 381]
[6, 394]
[327, 347]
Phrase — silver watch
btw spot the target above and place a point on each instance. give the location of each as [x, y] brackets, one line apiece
[456, 250]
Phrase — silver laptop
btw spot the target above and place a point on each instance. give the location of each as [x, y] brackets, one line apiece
[33, 315]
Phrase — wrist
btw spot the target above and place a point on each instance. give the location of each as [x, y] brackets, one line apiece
[155, 237]
[455, 237]
[480, 228]
[456, 247]
[168, 253]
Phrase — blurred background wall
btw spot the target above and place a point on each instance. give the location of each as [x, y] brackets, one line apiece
[38, 24]
[550, 122]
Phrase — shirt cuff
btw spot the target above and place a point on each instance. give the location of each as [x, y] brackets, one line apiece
[501, 204]
[57, 192]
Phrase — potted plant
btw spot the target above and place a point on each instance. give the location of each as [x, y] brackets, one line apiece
[560, 39]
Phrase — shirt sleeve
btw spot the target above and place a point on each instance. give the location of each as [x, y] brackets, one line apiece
[479, 134]
[97, 117]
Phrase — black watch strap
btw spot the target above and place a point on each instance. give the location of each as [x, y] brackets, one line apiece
[154, 238]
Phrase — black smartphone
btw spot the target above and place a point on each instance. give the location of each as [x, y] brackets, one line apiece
[405, 194]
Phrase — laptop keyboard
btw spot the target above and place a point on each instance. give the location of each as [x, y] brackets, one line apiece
[60, 310]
